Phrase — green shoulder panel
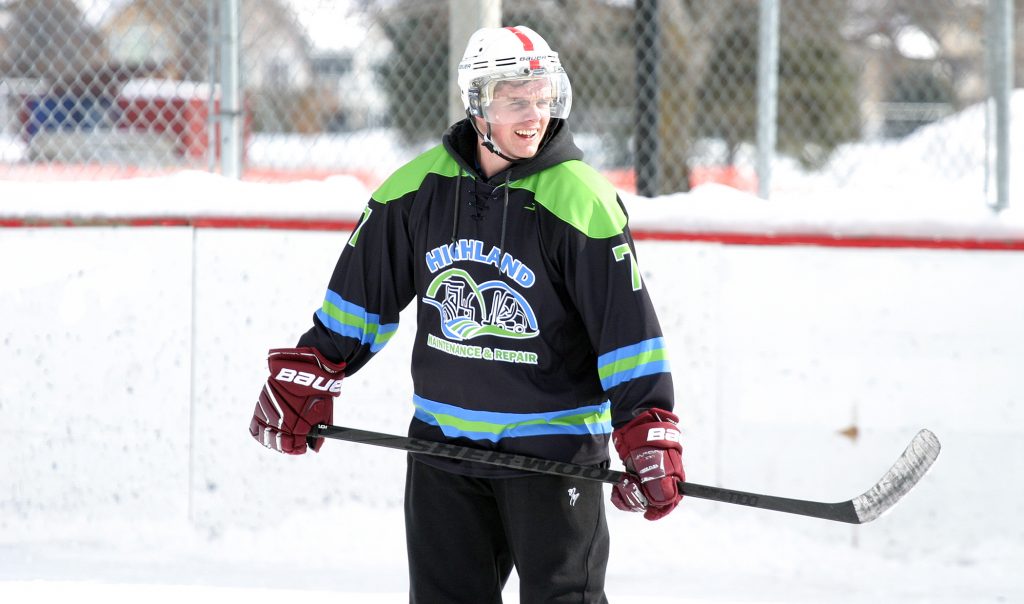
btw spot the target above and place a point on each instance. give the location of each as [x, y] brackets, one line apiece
[578, 195]
[409, 177]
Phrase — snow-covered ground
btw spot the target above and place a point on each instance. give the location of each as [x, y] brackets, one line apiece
[131, 475]
[132, 357]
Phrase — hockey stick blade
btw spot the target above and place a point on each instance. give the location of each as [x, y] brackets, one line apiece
[915, 462]
[904, 474]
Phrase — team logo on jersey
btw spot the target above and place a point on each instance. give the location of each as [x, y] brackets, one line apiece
[469, 310]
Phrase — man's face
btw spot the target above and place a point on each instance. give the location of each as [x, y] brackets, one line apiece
[519, 116]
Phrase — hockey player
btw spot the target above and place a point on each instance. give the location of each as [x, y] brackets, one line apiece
[535, 336]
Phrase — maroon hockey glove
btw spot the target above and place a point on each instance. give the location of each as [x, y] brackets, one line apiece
[298, 395]
[628, 496]
[650, 449]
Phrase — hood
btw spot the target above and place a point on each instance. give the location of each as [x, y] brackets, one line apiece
[461, 142]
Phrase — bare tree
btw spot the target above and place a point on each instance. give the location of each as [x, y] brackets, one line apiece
[50, 39]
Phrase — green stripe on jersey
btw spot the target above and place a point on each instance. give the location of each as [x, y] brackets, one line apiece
[578, 195]
[409, 177]
[631, 363]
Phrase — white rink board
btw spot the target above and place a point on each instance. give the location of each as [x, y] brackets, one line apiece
[128, 406]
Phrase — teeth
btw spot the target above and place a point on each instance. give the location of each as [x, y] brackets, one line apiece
[526, 132]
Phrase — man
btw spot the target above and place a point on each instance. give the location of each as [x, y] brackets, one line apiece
[535, 336]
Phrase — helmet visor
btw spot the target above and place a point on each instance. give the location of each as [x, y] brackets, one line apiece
[521, 99]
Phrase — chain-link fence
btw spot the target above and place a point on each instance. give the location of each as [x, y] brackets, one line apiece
[870, 93]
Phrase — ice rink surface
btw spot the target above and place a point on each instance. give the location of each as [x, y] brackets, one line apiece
[701, 554]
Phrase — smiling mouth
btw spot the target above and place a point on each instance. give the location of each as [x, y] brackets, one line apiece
[527, 134]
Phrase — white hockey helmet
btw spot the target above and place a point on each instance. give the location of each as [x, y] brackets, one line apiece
[511, 54]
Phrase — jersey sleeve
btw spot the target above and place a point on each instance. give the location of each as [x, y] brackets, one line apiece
[372, 282]
[604, 280]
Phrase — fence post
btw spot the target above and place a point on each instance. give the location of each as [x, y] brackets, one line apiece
[464, 18]
[648, 60]
[213, 119]
[230, 116]
[1001, 89]
[767, 92]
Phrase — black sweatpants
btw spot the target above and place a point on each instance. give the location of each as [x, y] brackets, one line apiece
[464, 534]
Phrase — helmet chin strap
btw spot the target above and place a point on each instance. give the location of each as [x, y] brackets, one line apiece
[489, 143]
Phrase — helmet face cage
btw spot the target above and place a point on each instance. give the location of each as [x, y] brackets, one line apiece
[512, 63]
[516, 99]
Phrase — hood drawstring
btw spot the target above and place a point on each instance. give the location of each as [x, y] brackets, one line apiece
[504, 215]
[504, 211]
[458, 202]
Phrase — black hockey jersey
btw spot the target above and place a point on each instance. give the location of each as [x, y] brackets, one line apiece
[535, 334]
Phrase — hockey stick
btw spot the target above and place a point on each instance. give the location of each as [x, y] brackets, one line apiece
[896, 483]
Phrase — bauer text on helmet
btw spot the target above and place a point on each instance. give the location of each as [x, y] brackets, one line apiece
[508, 55]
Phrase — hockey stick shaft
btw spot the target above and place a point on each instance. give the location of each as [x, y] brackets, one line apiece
[852, 511]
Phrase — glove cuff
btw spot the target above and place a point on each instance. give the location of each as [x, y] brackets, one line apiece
[306, 354]
[653, 428]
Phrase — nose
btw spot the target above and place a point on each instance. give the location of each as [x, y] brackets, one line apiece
[537, 112]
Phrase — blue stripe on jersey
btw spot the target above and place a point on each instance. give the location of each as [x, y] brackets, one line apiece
[631, 362]
[353, 321]
[494, 426]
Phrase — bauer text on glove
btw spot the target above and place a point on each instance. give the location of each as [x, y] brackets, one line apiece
[298, 395]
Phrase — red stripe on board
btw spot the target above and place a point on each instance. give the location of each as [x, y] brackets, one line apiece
[324, 224]
[201, 222]
[40, 222]
[295, 224]
[869, 241]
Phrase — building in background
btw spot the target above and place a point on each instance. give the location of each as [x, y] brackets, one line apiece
[326, 81]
